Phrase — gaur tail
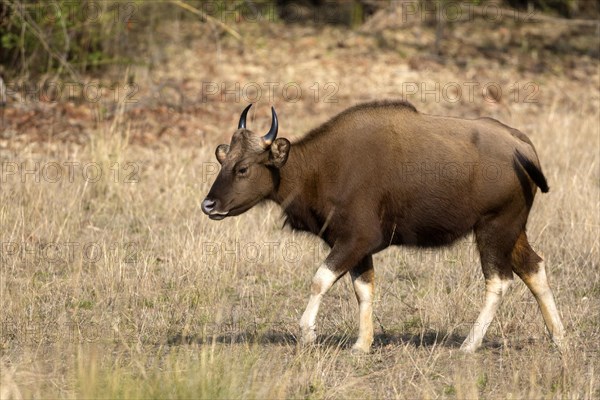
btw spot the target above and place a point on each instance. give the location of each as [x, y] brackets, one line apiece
[533, 171]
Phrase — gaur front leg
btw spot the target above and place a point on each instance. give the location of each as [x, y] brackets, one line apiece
[323, 279]
[342, 258]
[363, 280]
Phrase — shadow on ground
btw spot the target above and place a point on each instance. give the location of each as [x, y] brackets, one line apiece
[427, 339]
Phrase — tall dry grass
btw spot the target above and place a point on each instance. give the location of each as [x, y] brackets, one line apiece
[164, 303]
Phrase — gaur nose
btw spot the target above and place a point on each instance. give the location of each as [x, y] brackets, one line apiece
[208, 205]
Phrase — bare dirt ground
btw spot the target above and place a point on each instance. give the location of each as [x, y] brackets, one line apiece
[113, 284]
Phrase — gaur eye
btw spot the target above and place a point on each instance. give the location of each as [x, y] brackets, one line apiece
[242, 171]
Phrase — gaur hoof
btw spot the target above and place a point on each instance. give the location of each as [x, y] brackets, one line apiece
[360, 349]
[468, 348]
[309, 337]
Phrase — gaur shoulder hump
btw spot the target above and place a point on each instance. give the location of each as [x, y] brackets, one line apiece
[398, 105]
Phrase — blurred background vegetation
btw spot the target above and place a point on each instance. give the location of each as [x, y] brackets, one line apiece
[69, 38]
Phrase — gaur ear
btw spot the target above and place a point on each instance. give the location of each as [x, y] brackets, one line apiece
[278, 152]
[221, 152]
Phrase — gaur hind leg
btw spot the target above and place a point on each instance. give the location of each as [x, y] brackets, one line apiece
[494, 247]
[363, 280]
[531, 269]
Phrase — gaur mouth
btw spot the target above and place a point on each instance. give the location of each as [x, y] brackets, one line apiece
[217, 216]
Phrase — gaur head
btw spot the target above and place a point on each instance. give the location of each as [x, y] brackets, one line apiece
[249, 170]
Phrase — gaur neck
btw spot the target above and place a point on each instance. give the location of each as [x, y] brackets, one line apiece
[293, 176]
[296, 192]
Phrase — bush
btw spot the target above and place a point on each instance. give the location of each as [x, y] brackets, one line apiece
[61, 36]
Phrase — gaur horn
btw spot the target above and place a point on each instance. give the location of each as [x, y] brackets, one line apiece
[272, 134]
[242, 124]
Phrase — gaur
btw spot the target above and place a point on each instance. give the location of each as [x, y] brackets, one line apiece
[383, 173]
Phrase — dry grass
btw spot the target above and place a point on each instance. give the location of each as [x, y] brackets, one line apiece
[112, 289]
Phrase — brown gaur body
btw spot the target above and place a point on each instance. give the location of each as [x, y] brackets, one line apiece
[382, 174]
